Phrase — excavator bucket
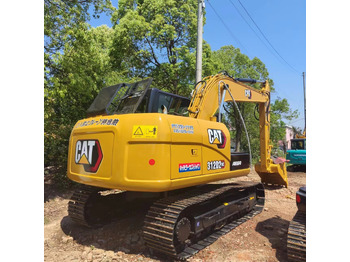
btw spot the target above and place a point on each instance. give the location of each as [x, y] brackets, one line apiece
[276, 175]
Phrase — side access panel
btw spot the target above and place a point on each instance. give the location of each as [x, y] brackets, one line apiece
[186, 149]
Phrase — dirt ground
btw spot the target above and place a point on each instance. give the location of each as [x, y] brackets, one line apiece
[263, 238]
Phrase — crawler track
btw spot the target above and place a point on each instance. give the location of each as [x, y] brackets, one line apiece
[78, 205]
[87, 207]
[296, 241]
[161, 222]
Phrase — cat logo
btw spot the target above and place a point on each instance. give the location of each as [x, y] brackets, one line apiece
[217, 137]
[248, 93]
[89, 154]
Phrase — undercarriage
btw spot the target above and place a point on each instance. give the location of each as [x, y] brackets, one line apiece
[178, 223]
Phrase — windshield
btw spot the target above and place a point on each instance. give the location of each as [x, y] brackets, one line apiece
[119, 99]
[137, 98]
[136, 103]
[175, 104]
[179, 106]
[298, 144]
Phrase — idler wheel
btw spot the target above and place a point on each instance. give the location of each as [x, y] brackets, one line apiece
[183, 229]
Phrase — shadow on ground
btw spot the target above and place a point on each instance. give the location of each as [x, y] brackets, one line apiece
[272, 187]
[296, 168]
[275, 229]
[123, 233]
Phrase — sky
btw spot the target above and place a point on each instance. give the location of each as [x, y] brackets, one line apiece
[240, 23]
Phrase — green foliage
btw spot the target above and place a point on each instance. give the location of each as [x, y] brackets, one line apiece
[157, 38]
[231, 60]
[63, 20]
[297, 131]
[280, 110]
[85, 69]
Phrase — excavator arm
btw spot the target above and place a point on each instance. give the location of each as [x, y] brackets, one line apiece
[207, 100]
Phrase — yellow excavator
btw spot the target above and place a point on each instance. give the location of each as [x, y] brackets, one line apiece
[151, 143]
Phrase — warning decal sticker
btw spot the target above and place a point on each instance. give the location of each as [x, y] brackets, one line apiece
[144, 132]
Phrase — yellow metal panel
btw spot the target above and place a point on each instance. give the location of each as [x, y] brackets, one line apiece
[186, 161]
[216, 147]
[148, 162]
[186, 150]
[211, 157]
[132, 169]
[78, 166]
[184, 130]
[103, 130]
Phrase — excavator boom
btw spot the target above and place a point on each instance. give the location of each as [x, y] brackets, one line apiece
[208, 98]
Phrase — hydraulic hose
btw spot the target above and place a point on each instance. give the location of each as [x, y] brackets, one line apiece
[245, 129]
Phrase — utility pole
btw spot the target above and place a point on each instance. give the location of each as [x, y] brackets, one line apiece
[304, 101]
[201, 5]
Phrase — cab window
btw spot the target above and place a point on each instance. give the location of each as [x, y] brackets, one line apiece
[163, 100]
[298, 144]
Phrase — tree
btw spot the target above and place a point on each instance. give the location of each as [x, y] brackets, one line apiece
[84, 69]
[157, 38]
[296, 131]
[62, 20]
[280, 110]
[76, 61]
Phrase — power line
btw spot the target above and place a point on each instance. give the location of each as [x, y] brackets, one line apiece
[228, 29]
[297, 120]
[266, 38]
[239, 12]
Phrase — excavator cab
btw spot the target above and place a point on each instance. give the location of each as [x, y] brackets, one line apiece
[137, 97]
[297, 154]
